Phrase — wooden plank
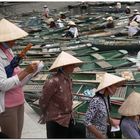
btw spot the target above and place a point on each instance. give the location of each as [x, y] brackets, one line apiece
[103, 64]
[97, 56]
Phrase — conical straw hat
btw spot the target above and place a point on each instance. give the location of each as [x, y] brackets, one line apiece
[108, 80]
[134, 24]
[135, 10]
[45, 6]
[9, 31]
[64, 59]
[110, 18]
[71, 23]
[131, 106]
[50, 20]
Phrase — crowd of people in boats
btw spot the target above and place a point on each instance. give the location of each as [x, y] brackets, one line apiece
[56, 99]
[133, 24]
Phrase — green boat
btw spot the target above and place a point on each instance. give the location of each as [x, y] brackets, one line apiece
[114, 44]
[82, 108]
[111, 64]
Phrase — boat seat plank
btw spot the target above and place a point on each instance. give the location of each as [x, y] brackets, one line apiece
[97, 56]
[71, 52]
[103, 64]
[33, 88]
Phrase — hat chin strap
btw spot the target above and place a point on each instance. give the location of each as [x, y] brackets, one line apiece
[5, 45]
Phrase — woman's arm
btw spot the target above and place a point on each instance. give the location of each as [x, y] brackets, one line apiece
[129, 131]
[90, 114]
[47, 92]
[96, 132]
[8, 83]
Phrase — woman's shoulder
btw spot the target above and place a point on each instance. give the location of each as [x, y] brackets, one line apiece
[95, 99]
[52, 78]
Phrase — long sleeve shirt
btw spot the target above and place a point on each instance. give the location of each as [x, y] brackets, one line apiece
[130, 128]
[74, 31]
[56, 100]
[96, 115]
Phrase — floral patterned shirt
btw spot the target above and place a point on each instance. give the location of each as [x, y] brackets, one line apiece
[96, 115]
[56, 100]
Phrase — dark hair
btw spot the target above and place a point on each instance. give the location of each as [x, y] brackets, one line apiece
[60, 70]
[97, 94]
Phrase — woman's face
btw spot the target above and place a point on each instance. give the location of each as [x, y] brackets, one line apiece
[11, 43]
[69, 69]
[112, 89]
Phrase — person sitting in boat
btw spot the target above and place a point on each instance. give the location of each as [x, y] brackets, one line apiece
[46, 11]
[83, 7]
[110, 23]
[97, 116]
[137, 17]
[130, 112]
[118, 7]
[51, 23]
[59, 23]
[62, 15]
[73, 31]
[133, 29]
[132, 16]
[127, 10]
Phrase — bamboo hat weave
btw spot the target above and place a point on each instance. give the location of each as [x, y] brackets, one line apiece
[109, 18]
[131, 106]
[135, 10]
[64, 59]
[134, 24]
[108, 80]
[50, 20]
[71, 23]
[9, 31]
[45, 6]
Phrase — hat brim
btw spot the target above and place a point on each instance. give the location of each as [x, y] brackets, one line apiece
[75, 65]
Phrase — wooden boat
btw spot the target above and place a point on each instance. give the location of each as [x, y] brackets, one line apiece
[104, 55]
[104, 44]
[106, 64]
[116, 100]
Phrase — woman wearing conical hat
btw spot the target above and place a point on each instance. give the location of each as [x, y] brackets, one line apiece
[73, 31]
[127, 10]
[130, 121]
[110, 23]
[46, 11]
[56, 100]
[97, 115]
[133, 29]
[11, 80]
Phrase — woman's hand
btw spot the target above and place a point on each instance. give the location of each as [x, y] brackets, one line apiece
[31, 68]
[114, 122]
